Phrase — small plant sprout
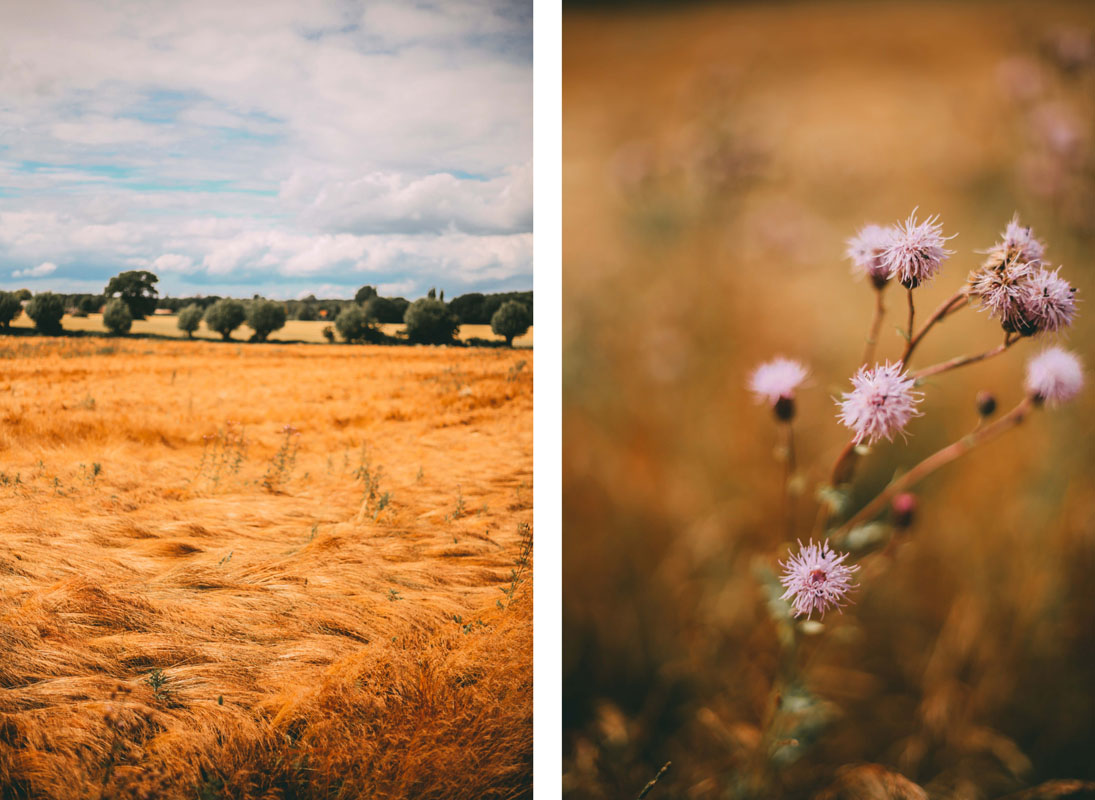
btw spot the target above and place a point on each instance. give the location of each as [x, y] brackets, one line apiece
[284, 461]
[521, 566]
[157, 680]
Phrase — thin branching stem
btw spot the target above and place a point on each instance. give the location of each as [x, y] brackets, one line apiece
[844, 465]
[962, 361]
[653, 781]
[789, 466]
[949, 306]
[938, 459]
[876, 326]
[842, 473]
[912, 315]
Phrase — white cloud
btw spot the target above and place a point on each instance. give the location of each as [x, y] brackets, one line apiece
[240, 142]
[43, 269]
[172, 262]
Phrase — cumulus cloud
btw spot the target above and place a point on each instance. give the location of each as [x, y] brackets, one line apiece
[238, 144]
[43, 269]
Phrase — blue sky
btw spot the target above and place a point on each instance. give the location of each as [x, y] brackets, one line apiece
[282, 148]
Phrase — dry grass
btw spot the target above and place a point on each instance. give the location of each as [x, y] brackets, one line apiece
[300, 630]
[716, 157]
[295, 330]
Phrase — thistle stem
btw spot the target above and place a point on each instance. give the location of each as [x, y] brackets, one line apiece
[962, 361]
[788, 476]
[844, 465]
[842, 473]
[909, 327]
[949, 306]
[876, 326]
[936, 460]
[653, 781]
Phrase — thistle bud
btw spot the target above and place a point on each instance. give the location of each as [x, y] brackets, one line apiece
[986, 404]
[784, 409]
[904, 510]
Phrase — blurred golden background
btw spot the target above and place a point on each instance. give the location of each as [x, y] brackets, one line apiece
[715, 160]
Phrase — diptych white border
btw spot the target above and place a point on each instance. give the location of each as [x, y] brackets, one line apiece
[547, 397]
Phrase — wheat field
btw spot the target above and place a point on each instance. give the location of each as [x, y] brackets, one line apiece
[278, 571]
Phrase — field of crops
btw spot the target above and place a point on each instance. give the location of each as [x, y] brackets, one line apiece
[294, 331]
[279, 571]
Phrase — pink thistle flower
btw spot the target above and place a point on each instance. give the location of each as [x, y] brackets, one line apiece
[1049, 302]
[881, 403]
[1054, 376]
[1019, 243]
[916, 252]
[866, 250]
[1003, 287]
[816, 579]
[774, 383]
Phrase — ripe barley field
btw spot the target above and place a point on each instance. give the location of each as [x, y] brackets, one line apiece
[199, 601]
[295, 330]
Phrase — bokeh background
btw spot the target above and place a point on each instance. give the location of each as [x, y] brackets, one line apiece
[716, 158]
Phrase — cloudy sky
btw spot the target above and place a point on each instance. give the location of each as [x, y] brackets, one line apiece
[281, 148]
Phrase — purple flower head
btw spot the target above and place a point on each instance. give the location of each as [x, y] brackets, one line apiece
[916, 252]
[1054, 376]
[1019, 243]
[881, 403]
[1003, 287]
[816, 579]
[866, 250]
[1049, 303]
[777, 379]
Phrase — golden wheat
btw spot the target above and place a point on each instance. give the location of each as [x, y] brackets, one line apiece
[195, 601]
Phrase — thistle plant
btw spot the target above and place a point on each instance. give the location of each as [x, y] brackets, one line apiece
[284, 461]
[1015, 287]
[223, 452]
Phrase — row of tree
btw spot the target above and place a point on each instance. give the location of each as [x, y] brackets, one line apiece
[133, 295]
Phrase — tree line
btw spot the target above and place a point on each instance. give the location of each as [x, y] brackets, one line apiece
[133, 295]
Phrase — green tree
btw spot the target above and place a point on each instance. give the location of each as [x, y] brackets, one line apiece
[308, 312]
[90, 304]
[189, 319]
[387, 309]
[430, 322]
[510, 320]
[47, 310]
[364, 295]
[23, 294]
[355, 325]
[469, 309]
[265, 317]
[137, 288]
[10, 308]
[224, 316]
[117, 318]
